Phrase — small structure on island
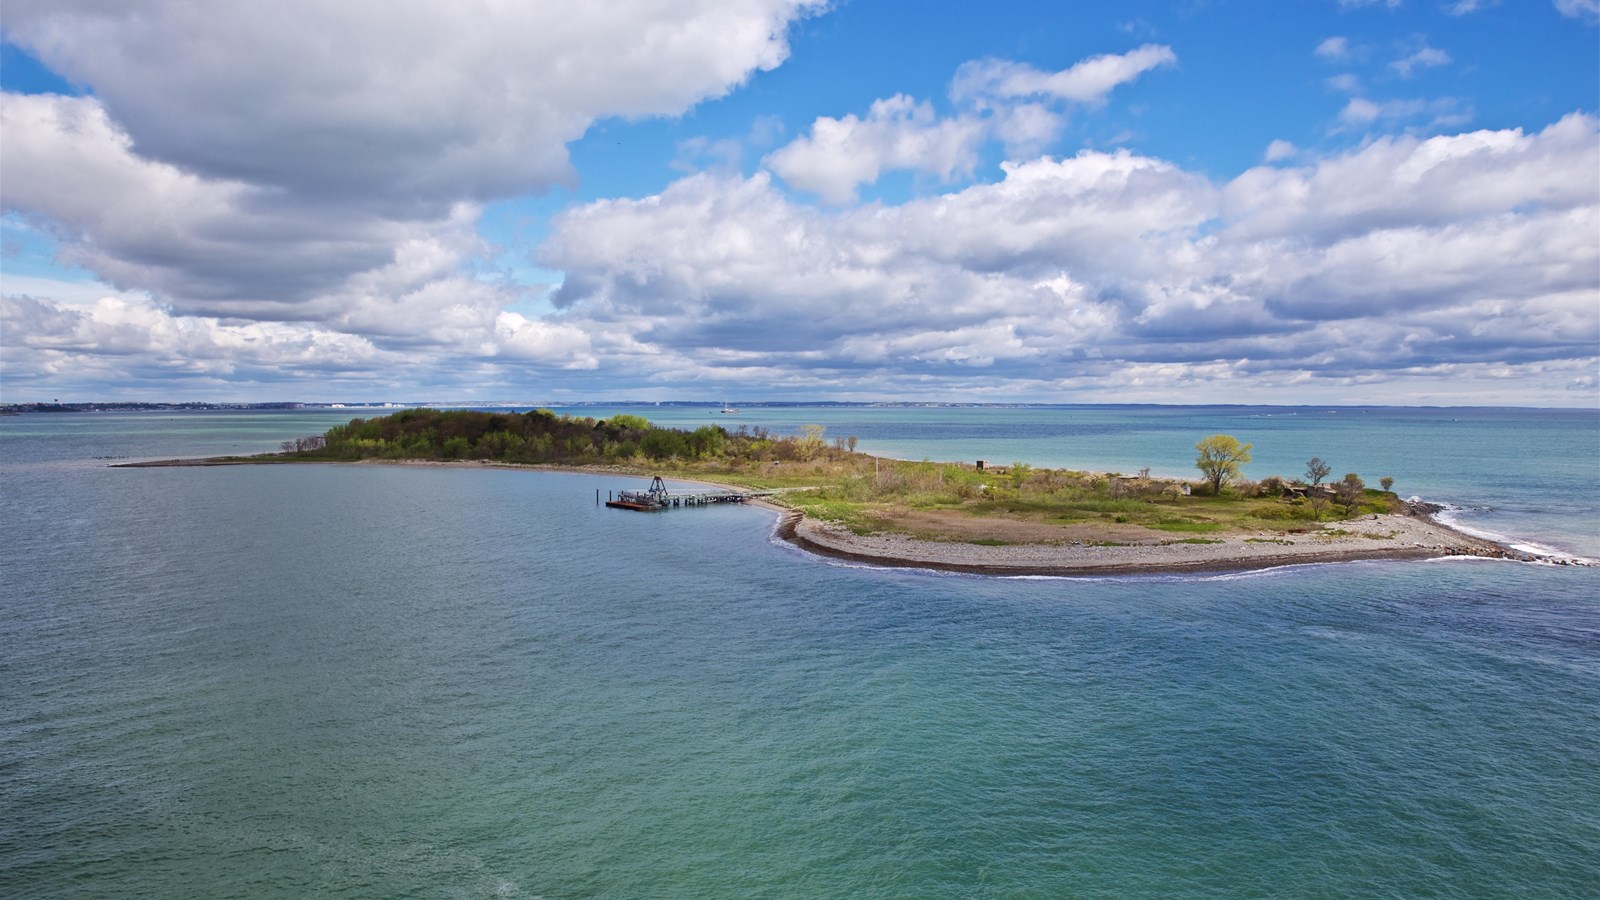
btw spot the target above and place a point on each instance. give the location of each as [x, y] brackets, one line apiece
[983, 464]
[657, 497]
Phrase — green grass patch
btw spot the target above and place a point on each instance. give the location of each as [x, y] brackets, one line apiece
[1269, 541]
[1186, 526]
[1195, 541]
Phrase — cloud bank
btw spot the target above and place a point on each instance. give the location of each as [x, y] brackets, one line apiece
[1406, 255]
[298, 199]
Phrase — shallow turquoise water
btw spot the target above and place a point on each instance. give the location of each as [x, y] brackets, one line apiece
[263, 682]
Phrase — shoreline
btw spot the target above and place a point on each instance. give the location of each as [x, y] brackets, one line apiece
[1414, 536]
[1401, 538]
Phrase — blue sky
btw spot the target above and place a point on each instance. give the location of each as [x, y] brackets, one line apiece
[1318, 201]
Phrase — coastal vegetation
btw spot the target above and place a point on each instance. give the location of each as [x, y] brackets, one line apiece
[828, 480]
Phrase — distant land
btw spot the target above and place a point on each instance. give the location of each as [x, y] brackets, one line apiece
[8, 409]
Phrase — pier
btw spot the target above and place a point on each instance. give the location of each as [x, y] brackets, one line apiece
[657, 498]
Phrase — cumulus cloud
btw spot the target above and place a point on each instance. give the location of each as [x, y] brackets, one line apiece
[294, 162]
[302, 184]
[1393, 259]
[135, 343]
[999, 98]
[412, 105]
[898, 133]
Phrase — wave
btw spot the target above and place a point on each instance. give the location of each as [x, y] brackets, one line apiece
[1451, 515]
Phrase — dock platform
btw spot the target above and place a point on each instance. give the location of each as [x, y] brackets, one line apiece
[658, 498]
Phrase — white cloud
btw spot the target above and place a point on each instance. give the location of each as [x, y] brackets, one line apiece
[1358, 4]
[1278, 151]
[293, 162]
[1335, 47]
[1002, 99]
[140, 339]
[1087, 82]
[1424, 58]
[415, 103]
[1345, 83]
[1388, 261]
[1408, 181]
[898, 133]
[1467, 7]
[1359, 111]
[1583, 10]
[1444, 112]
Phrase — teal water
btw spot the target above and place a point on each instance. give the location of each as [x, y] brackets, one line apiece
[382, 682]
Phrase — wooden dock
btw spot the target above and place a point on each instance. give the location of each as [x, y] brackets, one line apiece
[658, 498]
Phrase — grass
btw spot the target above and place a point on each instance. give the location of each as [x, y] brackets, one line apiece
[868, 495]
[863, 495]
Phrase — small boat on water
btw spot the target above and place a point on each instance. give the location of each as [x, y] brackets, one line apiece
[726, 409]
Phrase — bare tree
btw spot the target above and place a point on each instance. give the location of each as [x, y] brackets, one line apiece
[1316, 470]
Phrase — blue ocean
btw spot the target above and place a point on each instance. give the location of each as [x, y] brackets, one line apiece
[369, 681]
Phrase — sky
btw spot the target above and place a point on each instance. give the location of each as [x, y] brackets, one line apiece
[1184, 201]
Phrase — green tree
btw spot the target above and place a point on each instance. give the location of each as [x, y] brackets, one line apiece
[811, 441]
[1019, 474]
[1349, 490]
[1387, 482]
[1316, 470]
[1219, 459]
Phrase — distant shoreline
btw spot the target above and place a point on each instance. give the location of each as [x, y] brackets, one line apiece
[1417, 536]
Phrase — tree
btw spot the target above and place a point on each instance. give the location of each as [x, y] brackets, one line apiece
[1219, 459]
[1349, 490]
[811, 441]
[1316, 470]
[1319, 503]
[1387, 482]
[1019, 474]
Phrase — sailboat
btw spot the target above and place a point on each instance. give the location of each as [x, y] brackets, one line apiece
[726, 409]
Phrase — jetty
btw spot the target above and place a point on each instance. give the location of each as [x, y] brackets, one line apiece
[657, 497]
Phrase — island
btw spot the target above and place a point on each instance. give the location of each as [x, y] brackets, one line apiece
[974, 517]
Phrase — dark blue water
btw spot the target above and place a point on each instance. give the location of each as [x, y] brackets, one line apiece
[379, 682]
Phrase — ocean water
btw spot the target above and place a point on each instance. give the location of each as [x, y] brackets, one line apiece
[388, 682]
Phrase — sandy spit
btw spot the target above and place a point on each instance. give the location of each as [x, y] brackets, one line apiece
[1370, 537]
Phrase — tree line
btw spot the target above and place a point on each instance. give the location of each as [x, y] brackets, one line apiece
[542, 436]
[1220, 456]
